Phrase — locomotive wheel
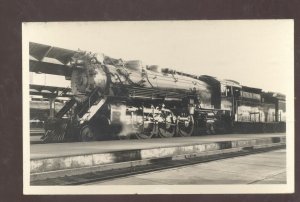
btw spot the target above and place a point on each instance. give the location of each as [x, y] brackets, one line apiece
[186, 129]
[210, 130]
[143, 135]
[123, 137]
[87, 134]
[166, 128]
[145, 132]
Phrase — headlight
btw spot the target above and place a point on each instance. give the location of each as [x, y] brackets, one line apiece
[79, 62]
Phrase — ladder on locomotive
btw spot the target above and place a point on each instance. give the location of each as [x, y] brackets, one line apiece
[87, 107]
[65, 108]
[91, 106]
[87, 110]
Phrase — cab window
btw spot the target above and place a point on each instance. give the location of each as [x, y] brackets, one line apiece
[223, 90]
[226, 91]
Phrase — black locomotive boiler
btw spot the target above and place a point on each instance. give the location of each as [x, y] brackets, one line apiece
[113, 98]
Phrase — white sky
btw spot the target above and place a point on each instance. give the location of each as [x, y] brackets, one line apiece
[256, 53]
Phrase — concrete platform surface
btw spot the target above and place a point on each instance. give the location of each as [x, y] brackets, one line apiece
[40, 151]
[262, 168]
[54, 160]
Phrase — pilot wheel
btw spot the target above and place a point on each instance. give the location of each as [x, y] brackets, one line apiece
[87, 134]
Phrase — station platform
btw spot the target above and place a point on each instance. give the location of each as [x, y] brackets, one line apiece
[65, 156]
[260, 168]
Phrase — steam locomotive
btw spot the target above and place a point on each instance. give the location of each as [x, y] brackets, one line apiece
[113, 98]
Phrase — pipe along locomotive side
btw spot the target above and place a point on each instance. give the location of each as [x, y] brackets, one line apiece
[113, 98]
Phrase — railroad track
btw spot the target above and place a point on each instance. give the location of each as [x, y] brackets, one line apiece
[155, 165]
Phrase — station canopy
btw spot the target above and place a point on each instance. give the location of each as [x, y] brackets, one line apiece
[49, 59]
[50, 91]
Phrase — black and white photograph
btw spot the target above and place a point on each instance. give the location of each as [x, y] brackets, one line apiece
[158, 107]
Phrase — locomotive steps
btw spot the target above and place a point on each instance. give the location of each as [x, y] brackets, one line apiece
[66, 159]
